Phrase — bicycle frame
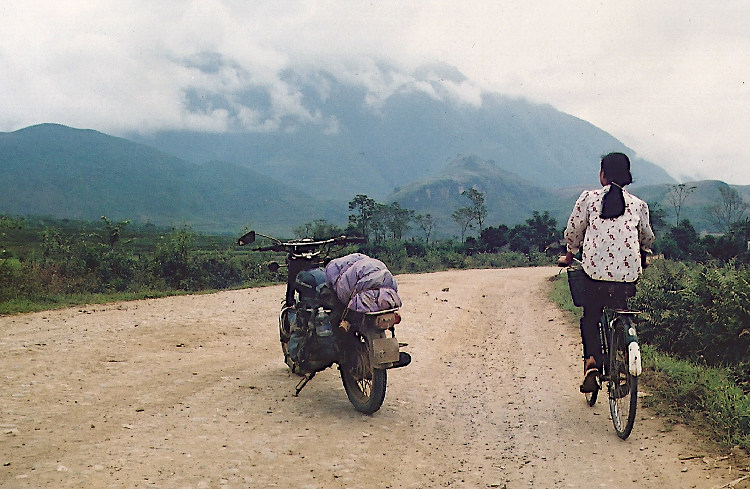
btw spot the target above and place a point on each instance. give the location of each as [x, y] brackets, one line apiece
[606, 328]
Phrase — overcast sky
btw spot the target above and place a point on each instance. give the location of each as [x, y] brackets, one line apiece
[669, 79]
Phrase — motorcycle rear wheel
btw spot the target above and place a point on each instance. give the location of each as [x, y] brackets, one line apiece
[364, 385]
[285, 332]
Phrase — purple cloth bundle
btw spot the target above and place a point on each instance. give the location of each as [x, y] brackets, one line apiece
[363, 283]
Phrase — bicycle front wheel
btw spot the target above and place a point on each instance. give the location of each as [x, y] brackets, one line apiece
[622, 386]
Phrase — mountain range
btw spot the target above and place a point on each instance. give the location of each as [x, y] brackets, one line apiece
[83, 174]
[419, 150]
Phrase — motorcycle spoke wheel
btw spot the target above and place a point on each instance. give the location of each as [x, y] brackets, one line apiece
[623, 387]
[364, 385]
[285, 332]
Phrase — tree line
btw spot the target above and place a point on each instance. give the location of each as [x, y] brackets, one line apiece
[58, 260]
[382, 223]
[681, 241]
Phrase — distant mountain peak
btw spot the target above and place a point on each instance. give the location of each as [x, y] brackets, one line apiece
[439, 71]
[472, 166]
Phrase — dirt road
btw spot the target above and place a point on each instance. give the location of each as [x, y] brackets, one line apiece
[192, 392]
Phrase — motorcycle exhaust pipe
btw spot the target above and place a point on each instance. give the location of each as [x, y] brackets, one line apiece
[404, 359]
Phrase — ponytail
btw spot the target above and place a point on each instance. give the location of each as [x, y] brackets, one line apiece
[613, 203]
[616, 168]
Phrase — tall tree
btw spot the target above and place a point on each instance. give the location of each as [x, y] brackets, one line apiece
[364, 208]
[427, 224]
[397, 220]
[477, 207]
[379, 222]
[494, 238]
[677, 195]
[542, 229]
[463, 217]
[729, 209]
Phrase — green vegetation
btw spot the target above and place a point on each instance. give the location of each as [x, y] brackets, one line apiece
[704, 397]
[47, 263]
[699, 312]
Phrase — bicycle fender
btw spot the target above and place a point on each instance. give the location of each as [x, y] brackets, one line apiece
[634, 351]
[634, 359]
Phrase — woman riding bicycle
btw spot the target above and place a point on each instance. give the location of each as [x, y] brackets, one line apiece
[613, 227]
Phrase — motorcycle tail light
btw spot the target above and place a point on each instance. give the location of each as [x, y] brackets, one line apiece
[385, 321]
[398, 318]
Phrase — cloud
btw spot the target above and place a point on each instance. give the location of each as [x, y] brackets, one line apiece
[671, 82]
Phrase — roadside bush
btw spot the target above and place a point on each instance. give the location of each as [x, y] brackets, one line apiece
[11, 278]
[117, 272]
[215, 270]
[698, 312]
[171, 262]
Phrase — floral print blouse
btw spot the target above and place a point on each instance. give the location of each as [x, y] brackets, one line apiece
[611, 247]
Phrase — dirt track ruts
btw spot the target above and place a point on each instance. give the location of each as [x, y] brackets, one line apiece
[192, 392]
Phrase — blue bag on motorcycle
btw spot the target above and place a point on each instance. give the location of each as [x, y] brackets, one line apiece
[308, 285]
[312, 344]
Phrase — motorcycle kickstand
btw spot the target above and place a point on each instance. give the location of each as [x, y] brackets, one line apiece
[302, 383]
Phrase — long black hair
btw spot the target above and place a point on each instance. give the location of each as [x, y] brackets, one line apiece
[616, 168]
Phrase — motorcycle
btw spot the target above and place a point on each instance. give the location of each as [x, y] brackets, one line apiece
[317, 329]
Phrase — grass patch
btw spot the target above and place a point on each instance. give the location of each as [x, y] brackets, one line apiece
[559, 293]
[24, 305]
[62, 301]
[704, 398]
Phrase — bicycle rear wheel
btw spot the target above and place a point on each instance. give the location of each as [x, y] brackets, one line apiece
[622, 386]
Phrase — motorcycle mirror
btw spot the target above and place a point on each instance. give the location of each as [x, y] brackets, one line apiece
[246, 238]
[273, 267]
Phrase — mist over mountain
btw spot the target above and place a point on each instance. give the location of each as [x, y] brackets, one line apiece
[355, 142]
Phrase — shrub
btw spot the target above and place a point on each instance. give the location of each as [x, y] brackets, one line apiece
[698, 312]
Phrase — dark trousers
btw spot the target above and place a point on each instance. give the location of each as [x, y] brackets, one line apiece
[598, 295]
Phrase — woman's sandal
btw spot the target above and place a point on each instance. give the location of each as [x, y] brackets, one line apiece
[590, 381]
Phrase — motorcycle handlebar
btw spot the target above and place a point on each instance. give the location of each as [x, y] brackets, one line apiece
[355, 239]
[292, 245]
[269, 248]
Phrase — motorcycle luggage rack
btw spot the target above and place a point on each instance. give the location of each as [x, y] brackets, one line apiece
[378, 313]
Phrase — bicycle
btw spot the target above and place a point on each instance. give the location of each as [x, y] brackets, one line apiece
[620, 349]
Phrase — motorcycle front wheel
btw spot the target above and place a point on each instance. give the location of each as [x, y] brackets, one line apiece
[364, 385]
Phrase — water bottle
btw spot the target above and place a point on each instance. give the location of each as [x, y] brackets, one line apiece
[323, 328]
